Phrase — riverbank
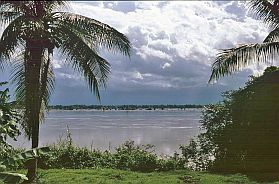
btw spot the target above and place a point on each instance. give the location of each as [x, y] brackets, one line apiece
[111, 176]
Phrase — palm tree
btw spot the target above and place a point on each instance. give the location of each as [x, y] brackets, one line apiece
[33, 30]
[231, 60]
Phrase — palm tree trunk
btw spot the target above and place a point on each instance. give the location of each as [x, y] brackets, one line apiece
[33, 62]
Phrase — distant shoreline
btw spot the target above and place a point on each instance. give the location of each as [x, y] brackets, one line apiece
[125, 107]
[117, 110]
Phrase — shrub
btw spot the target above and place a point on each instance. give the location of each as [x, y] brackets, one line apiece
[73, 157]
[135, 158]
[127, 156]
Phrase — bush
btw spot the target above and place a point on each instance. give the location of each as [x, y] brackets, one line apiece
[127, 156]
[72, 157]
[135, 158]
[171, 163]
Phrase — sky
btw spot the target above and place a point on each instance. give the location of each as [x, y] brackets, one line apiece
[174, 44]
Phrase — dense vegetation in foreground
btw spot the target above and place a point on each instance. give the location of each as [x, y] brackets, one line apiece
[112, 176]
[124, 107]
[130, 163]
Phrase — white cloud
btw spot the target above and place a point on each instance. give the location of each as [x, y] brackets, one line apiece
[68, 76]
[166, 65]
[137, 75]
[180, 37]
[146, 51]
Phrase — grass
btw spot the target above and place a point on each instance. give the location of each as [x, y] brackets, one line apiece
[111, 176]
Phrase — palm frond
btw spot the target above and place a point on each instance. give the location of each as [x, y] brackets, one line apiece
[56, 5]
[11, 38]
[234, 59]
[83, 58]
[8, 16]
[47, 83]
[97, 33]
[17, 77]
[16, 6]
[273, 36]
[266, 11]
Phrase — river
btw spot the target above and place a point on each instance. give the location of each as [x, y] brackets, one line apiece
[166, 129]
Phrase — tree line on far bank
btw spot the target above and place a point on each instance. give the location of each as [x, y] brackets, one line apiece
[124, 107]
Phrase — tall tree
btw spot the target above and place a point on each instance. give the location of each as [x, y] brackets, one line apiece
[33, 30]
[234, 59]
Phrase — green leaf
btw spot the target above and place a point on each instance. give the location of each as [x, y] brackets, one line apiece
[12, 178]
[2, 168]
[27, 155]
[43, 151]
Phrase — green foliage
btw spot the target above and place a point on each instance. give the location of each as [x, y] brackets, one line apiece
[9, 119]
[171, 163]
[127, 156]
[65, 154]
[76, 158]
[135, 157]
[240, 134]
[18, 160]
[215, 118]
[12, 178]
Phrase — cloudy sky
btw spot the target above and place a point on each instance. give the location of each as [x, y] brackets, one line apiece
[173, 47]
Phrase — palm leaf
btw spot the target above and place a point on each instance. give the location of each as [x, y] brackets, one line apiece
[232, 60]
[16, 6]
[266, 11]
[8, 16]
[56, 5]
[83, 58]
[11, 38]
[18, 75]
[273, 36]
[47, 83]
[97, 33]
